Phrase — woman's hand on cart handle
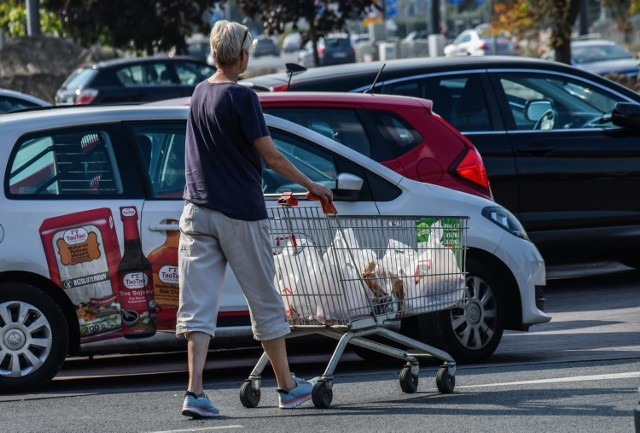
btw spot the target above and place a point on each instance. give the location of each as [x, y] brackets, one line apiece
[324, 194]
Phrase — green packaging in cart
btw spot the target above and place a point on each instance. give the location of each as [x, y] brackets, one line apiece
[451, 237]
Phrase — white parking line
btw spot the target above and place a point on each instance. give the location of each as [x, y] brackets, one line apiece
[611, 376]
[222, 427]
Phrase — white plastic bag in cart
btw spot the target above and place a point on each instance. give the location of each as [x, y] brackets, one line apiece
[343, 261]
[300, 278]
[399, 264]
[439, 281]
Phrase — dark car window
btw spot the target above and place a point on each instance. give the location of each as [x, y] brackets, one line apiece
[130, 75]
[398, 136]
[343, 126]
[65, 163]
[573, 104]
[190, 73]
[461, 99]
[337, 42]
[316, 163]
[161, 150]
[393, 135]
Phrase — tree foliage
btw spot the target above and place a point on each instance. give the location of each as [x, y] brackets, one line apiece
[142, 25]
[322, 17]
[620, 11]
[13, 19]
[522, 16]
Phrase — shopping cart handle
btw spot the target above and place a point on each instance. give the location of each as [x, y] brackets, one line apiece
[326, 207]
[287, 199]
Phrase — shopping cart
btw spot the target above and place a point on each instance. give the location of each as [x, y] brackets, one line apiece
[350, 278]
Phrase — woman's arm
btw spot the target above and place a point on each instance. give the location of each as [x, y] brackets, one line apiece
[281, 165]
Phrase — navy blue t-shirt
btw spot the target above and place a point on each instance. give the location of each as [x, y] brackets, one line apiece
[223, 168]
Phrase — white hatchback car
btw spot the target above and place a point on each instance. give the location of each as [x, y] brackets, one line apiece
[89, 191]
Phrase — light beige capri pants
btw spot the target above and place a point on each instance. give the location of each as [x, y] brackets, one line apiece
[208, 241]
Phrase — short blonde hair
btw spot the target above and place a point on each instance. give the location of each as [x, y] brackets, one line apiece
[227, 40]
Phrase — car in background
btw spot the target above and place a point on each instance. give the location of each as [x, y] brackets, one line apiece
[481, 42]
[292, 42]
[555, 155]
[333, 49]
[75, 176]
[601, 57]
[133, 80]
[264, 46]
[11, 100]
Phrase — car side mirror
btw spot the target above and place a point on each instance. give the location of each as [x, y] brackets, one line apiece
[626, 114]
[348, 187]
[535, 108]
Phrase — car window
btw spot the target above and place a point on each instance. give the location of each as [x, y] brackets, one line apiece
[341, 125]
[63, 164]
[191, 73]
[398, 136]
[155, 74]
[130, 75]
[161, 149]
[460, 99]
[337, 42]
[573, 104]
[316, 163]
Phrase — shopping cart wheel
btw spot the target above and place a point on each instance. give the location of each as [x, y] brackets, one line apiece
[322, 395]
[408, 381]
[249, 396]
[445, 381]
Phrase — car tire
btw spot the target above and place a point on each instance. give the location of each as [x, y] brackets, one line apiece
[469, 334]
[34, 337]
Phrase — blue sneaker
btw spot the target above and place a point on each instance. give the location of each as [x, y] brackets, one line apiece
[296, 396]
[198, 407]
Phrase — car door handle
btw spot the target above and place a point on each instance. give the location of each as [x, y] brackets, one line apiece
[164, 228]
[540, 149]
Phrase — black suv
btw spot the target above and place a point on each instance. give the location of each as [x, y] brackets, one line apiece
[544, 130]
[143, 79]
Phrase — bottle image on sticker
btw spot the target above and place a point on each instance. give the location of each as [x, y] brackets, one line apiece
[135, 282]
[164, 264]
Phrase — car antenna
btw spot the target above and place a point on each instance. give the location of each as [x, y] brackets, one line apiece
[376, 79]
[293, 69]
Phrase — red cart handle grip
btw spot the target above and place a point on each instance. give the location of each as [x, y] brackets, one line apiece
[326, 207]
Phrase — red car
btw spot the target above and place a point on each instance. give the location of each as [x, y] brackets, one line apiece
[400, 132]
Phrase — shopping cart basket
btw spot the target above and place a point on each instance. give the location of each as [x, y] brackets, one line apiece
[353, 277]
